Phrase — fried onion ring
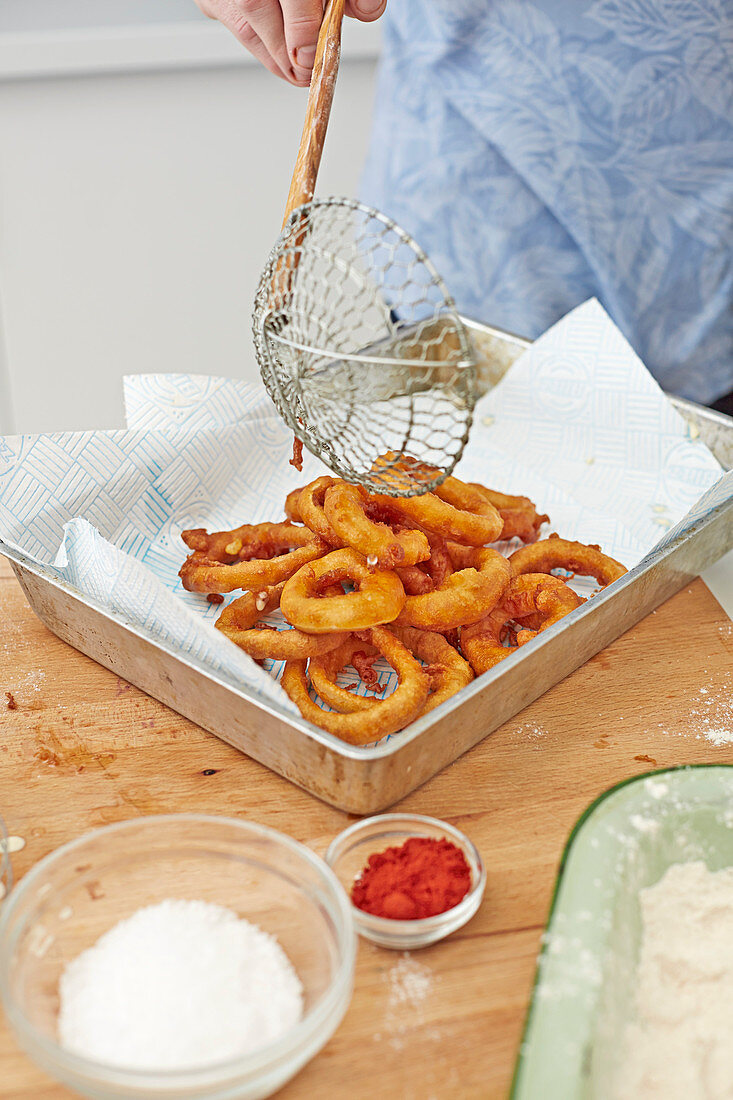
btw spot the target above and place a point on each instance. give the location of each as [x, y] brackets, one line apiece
[448, 672]
[464, 597]
[292, 511]
[237, 621]
[379, 595]
[453, 511]
[415, 581]
[383, 715]
[481, 642]
[324, 669]
[394, 468]
[429, 575]
[251, 556]
[544, 598]
[519, 515]
[310, 507]
[556, 553]
[547, 603]
[345, 508]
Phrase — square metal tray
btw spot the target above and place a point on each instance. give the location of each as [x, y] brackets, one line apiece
[365, 780]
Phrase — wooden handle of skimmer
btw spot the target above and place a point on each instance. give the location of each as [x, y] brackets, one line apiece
[320, 98]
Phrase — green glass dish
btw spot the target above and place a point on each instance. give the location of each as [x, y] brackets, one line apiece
[584, 989]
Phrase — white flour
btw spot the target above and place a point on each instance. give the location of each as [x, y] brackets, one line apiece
[177, 985]
[681, 1045]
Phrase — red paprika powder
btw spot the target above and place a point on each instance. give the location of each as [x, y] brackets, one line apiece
[420, 878]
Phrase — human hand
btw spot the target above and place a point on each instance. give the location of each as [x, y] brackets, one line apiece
[282, 34]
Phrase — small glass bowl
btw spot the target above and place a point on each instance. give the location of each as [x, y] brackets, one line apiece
[349, 853]
[74, 895]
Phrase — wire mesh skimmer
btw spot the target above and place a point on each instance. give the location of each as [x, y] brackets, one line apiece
[358, 341]
[362, 350]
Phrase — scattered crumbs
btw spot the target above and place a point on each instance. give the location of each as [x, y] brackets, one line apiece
[714, 713]
[662, 521]
[659, 508]
[409, 984]
[95, 891]
[12, 705]
[215, 597]
[589, 461]
[710, 717]
[530, 732]
[31, 682]
[693, 431]
[488, 420]
[644, 759]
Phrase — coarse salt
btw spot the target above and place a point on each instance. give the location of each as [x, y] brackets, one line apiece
[178, 985]
[409, 982]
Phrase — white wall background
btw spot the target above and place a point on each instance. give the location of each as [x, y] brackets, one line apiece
[144, 166]
[139, 197]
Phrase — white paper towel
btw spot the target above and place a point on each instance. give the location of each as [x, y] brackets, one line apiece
[577, 424]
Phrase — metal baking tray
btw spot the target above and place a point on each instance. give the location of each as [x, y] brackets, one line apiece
[364, 780]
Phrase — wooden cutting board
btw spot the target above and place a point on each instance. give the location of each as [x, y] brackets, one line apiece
[84, 748]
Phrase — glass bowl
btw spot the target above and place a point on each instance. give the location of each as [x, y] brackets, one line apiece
[6, 871]
[349, 853]
[78, 892]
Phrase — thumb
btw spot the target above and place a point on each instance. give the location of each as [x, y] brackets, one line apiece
[365, 10]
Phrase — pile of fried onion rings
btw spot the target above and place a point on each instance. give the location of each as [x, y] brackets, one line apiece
[410, 580]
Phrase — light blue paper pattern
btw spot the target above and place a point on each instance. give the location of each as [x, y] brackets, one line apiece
[581, 406]
[126, 587]
[136, 491]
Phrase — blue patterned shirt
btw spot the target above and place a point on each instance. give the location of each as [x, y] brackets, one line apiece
[545, 152]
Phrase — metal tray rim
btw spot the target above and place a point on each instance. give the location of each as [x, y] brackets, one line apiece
[393, 744]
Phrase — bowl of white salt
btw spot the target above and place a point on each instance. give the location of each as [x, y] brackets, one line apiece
[176, 956]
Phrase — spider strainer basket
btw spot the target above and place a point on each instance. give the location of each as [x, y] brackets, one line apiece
[362, 350]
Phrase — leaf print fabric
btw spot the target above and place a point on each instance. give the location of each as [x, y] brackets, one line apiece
[543, 153]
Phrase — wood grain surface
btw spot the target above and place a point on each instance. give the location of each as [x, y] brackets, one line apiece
[84, 748]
